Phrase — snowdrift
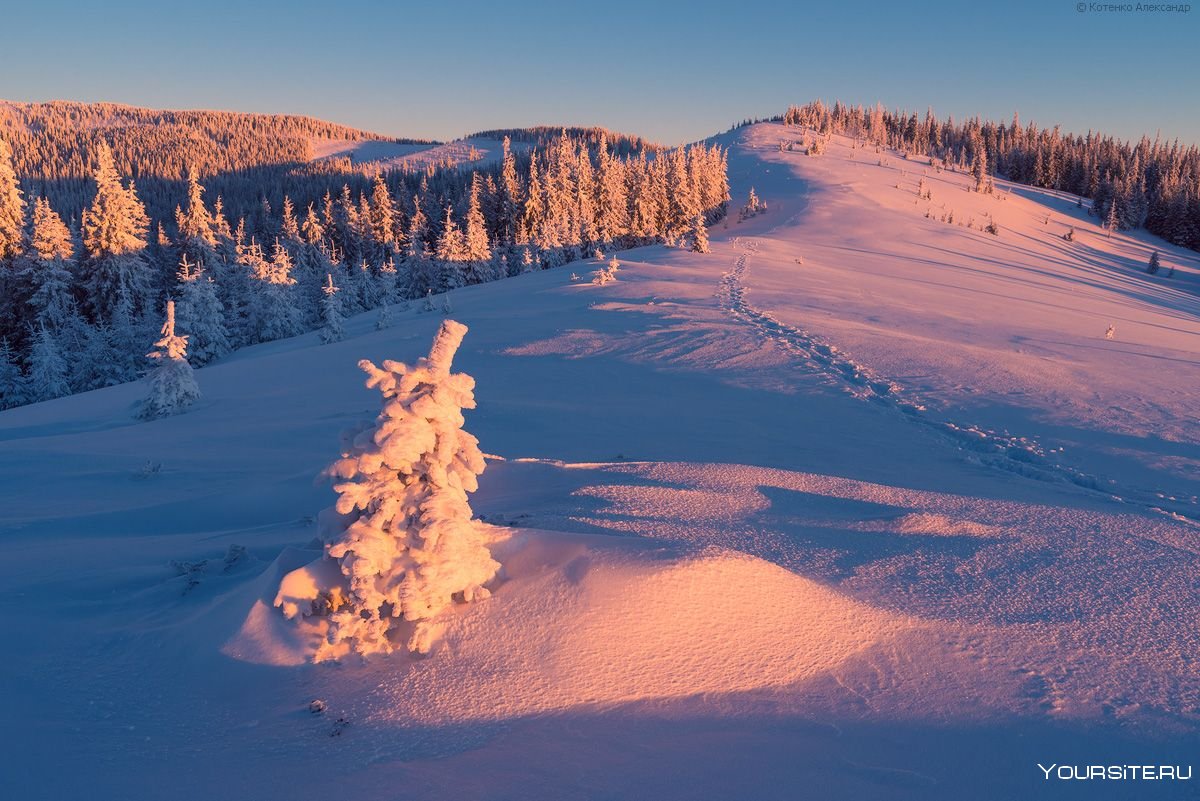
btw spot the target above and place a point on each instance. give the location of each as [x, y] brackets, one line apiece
[596, 621]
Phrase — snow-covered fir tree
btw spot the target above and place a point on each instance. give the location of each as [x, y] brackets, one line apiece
[289, 226]
[12, 206]
[450, 242]
[114, 241]
[401, 531]
[47, 270]
[332, 329]
[387, 289]
[979, 164]
[475, 238]
[105, 362]
[753, 206]
[450, 254]
[47, 368]
[12, 234]
[172, 385]
[201, 313]
[510, 189]
[197, 237]
[275, 312]
[699, 234]
[12, 380]
[382, 220]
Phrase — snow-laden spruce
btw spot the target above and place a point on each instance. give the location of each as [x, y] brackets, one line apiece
[401, 531]
[172, 385]
[331, 313]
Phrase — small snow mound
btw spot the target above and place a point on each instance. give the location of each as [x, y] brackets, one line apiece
[598, 621]
[941, 525]
[263, 636]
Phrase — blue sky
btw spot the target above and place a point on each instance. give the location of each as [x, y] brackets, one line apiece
[671, 71]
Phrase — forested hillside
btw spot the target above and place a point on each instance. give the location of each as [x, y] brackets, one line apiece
[1150, 183]
[294, 246]
[241, 155]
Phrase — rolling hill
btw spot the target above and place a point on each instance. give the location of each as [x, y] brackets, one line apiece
[863, 500]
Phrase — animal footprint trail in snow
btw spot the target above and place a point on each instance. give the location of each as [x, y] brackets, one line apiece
[1021, 455]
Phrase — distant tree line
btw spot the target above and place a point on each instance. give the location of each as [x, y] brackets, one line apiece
[243, 157]
[1150, 183]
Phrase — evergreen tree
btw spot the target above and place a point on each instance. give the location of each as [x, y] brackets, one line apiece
[684, 204]
[450, 242]
[979, 165]
[401, 531]
[450, 251]
[699, 234]
[197, 234]
[314, 232]
[261, 226]
[1154, 265]
[12, 380]
[387, 289]
[103, 364]
[114, 231]
[13, 292]
[388, 278]
[475, 241]
[289, 228]
[418, 230]
[612, 208]
[382, 219]
[131, 337]
[534, 214]
[12, 207]
[510, 195]
[47, 270]
[331, 315]
[200, 311]
[172, 384]
[47, 370]
[275, 312]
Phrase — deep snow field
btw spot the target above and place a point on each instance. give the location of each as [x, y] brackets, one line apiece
[861, 504]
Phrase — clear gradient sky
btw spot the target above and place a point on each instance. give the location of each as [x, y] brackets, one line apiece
[671, 71]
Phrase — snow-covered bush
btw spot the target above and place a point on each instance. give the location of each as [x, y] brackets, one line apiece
[754, 206]
[606, 274]
[172, 385]
[401, 531]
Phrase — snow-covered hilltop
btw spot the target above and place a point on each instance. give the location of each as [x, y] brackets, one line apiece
[861, 500]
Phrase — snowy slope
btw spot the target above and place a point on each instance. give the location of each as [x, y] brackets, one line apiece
[776, 528]
[360, 152]
[394, 156]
